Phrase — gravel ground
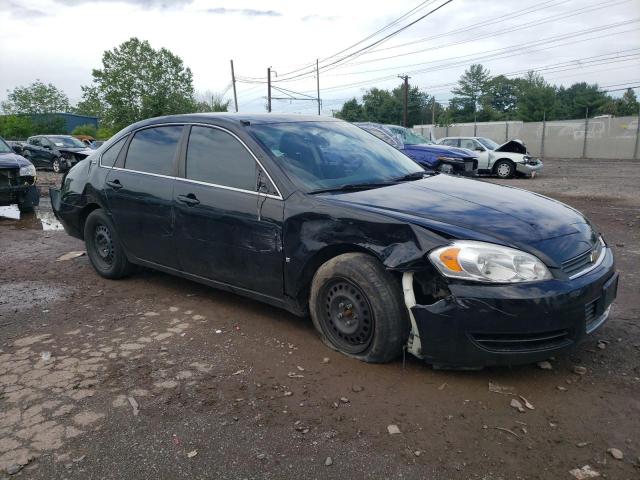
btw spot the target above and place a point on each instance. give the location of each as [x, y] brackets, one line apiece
[158, 377]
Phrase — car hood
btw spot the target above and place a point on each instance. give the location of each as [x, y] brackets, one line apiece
[12, 160]
[513, 146]
[470, 209]
[442, 150]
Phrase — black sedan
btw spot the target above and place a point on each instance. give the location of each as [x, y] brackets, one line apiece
[56, 152]
[318, 217]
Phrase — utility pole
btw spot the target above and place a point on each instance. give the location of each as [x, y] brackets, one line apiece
[269, 89]
[318, 84]
[405, 115]
[233, 81]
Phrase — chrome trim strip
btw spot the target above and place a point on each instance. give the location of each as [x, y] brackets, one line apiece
[276, 197]
[224, 187]
[594, 265]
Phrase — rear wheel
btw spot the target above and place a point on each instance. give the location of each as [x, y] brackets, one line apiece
[504, 168]
[357, 307]
[104, 248]
[57, 165]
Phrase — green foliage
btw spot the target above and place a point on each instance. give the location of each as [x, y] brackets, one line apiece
[48, 125]
[138, 82]
[211, 102]
[472, 87]
[87, 129]
[621, 107]
[36, 98]
[384, 106]
[16, 127]
[351, 111]
[104, 133]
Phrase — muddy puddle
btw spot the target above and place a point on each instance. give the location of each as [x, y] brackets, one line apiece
[41, 219]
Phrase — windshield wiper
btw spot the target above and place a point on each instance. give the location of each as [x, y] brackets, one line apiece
[352, 187]
[411, 176]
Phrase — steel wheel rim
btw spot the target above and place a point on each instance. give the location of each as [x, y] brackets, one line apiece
[103, 245]
[56, 166]
[347, 316]
[504, 170]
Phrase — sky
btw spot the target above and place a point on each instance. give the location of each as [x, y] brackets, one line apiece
[61, 41]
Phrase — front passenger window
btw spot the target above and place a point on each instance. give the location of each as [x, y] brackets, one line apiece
[214, 156]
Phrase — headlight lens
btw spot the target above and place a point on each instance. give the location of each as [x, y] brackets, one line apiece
[451, 159]
[486, 262]
[28, 171]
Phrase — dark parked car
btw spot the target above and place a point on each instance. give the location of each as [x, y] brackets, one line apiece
[444, 159]
[57, 152]
[17, 180]
[313, 215]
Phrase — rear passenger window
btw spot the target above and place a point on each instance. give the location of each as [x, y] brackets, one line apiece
[110, 156]
[153, 150]
[214, 156]
[467, 143]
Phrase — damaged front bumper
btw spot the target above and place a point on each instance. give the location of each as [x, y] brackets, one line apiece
[529, 168]
[23, 195]
[479, 325]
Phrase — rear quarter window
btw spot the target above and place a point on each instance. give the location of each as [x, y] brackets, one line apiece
[110, 155]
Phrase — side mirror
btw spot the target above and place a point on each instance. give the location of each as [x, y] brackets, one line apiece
[479, 149]
[48, 147]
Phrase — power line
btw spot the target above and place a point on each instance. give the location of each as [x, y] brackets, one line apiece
[377, 42]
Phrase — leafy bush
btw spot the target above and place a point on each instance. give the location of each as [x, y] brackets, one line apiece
[86, 129]
[16, 127]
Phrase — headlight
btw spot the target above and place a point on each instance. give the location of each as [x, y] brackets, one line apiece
[28, 171]
[451, 159]
[486, 262]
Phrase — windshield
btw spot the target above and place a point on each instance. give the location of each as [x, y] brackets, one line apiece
[67, 142]
[4, 147]
[487, 142]
[325, 155]
[409, 137]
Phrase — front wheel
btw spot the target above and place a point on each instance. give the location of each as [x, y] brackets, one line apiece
[57, 165]
[358, 308]
[504, 168]
[104, 248]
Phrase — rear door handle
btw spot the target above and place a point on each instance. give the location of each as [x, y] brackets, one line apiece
[115, 184]
[189, 199]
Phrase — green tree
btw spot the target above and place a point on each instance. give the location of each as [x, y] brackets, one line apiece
[381, 106]
[92, 103]
[580, 99]
[36, 98]
[500, 98]
[211, 102]
[16, 127]
[536, 98]
[87, 129]
[137, 82]
[351, 111]
[625, 106]
[418, 105]
[472, 87]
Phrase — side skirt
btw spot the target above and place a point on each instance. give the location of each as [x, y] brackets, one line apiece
[285, 303]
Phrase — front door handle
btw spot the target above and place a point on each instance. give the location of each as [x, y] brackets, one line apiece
[115, 184]
[189, 199]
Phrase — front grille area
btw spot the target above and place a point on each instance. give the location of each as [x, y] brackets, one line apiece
[9, 177]
[583, 261]
[521, 342]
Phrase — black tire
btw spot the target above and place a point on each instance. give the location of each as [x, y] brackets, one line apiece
[358, 308]
[25, 208]
[56, 165]
[104, 248]
[504, 169]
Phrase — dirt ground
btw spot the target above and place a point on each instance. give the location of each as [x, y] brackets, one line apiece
[159, 377]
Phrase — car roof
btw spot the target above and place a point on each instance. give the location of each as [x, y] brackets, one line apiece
[234, 118]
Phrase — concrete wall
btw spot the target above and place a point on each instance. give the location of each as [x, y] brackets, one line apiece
[613, 138]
